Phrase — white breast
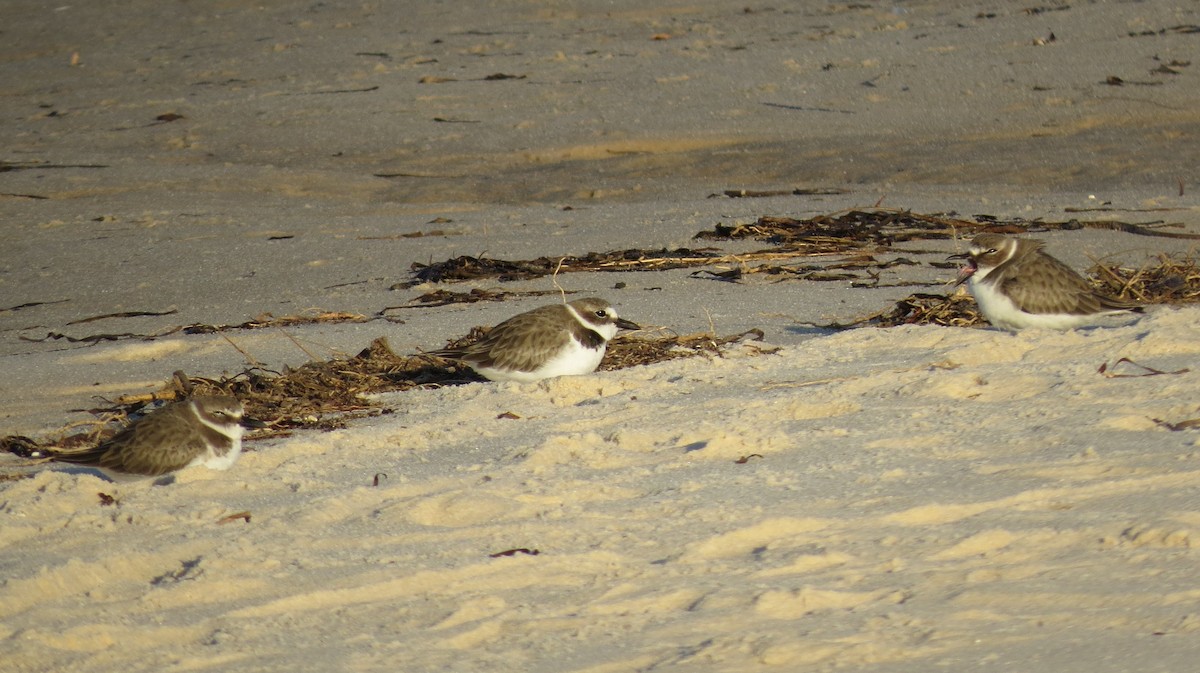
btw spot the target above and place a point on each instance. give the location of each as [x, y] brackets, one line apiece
[572, 360]
[210, 459]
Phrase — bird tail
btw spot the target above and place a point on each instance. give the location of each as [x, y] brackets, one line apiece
[1121, 304]
[89, 456]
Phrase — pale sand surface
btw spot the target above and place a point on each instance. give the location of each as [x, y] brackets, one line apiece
[926, 498]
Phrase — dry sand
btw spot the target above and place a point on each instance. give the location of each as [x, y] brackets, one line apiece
[898, 500]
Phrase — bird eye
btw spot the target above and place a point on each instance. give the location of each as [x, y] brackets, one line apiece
[991, 251]
[601, 313]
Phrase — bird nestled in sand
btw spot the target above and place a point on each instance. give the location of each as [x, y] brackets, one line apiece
[1018, 286]
[556, 340]
[203, 430]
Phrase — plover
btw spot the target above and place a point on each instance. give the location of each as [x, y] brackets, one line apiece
[204, 430]
[1017, 285]
[555, 340]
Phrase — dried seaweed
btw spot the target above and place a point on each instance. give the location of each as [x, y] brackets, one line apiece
[514, 552]
[958, 310]
[265, 320]
[96, 338]
[1143, 370]
[302, 396]
[1172, 280]
[632, 351]
[731, 266]
[31, 304]
[262, 321]
[123, 314]
[843, 231]
[6, 166]
[447, 297]
[236, 516]
[473, 268]
[851, 267]
[18, 445]
[764, 193]
[862, 228]
[846, 233]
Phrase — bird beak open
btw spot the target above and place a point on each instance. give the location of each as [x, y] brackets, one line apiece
[627, 324]
[966, 270]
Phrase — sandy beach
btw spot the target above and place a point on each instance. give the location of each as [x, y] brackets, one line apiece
[892, 500]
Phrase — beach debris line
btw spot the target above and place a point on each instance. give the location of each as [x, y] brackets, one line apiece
[731, 267]
[466, 267]
[845, 230]
[447, 297]
[854, 234]
[858, 228]
[327, 394]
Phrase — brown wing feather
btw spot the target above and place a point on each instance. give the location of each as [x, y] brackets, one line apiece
[520, 343]
[1039, 283]
[125, 451]
[498, 347]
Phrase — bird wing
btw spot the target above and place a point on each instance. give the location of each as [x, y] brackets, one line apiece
[173, 441]
[520, 343]
[1039, 283]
